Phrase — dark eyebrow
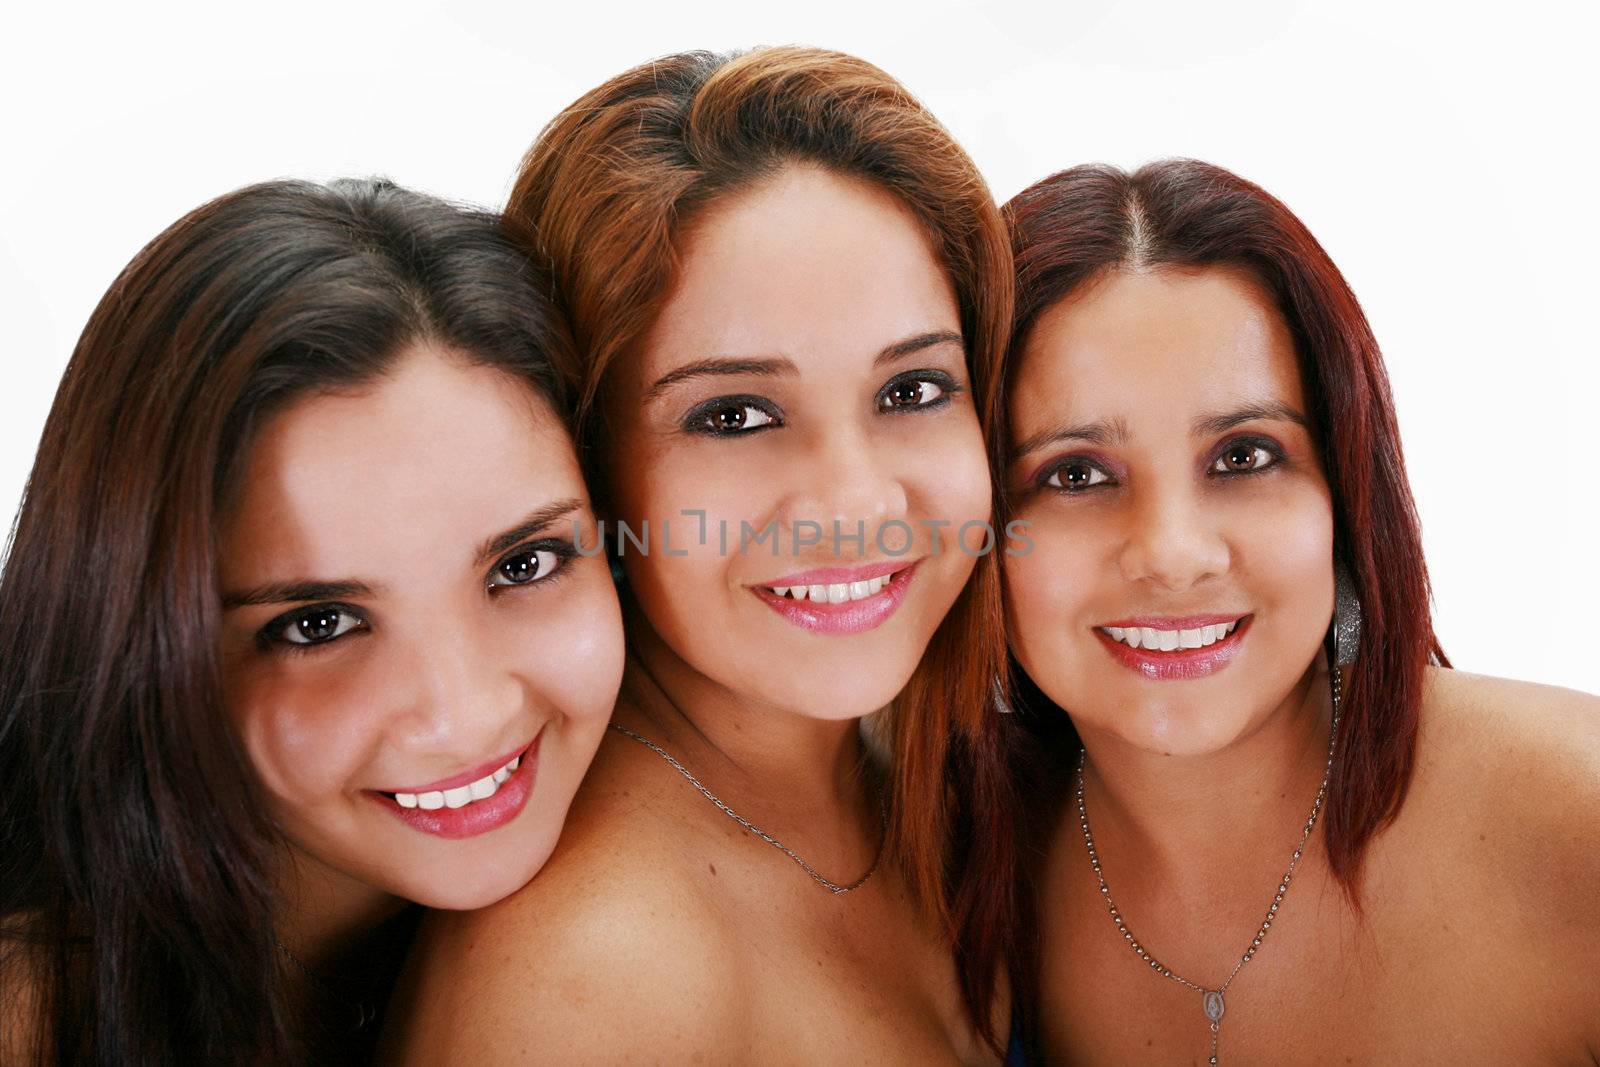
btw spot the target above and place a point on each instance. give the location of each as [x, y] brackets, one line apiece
[776, 365]
[295, 592]
[702, 368]
[1208, 425]
[912, 345]
[536, 522]
[1106, 432]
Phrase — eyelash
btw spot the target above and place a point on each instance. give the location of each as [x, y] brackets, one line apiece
[1273, 451]
[697, 421]
[271, 636]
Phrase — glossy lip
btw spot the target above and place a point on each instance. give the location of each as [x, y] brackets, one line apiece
[480, 816]
[835, 575]
[851, 617]
[1185, 664]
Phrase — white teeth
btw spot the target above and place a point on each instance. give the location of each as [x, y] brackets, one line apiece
[482, 789]
[1170, 640]
[833, 592]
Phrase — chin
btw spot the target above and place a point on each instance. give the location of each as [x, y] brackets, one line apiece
[1189, 728]
[458, 895]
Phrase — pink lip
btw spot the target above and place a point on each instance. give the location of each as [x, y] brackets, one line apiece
[1174, 622]
[835, 575]
[465, 777]
[480, 816]
[851, 617]
[1180, 664]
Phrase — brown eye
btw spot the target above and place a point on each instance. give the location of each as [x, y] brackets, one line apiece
[1242, 459]
[317, 626]
[528, 565]
[1076, 475]
[730, 419]
[910, 393]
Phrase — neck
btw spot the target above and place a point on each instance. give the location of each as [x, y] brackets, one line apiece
[790, 764]
[326, 915]
[1208, 819]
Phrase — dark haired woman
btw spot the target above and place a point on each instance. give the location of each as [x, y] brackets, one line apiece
[278, 627]
[790, 291]
[1276, 828]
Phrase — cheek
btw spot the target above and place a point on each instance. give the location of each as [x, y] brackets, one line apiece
[1047, 587]
[1284, 554]
[949, 472]
[571, 649]
[307, 727]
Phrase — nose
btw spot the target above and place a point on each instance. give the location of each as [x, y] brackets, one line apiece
[1172, 543]
[845, 477]
[452, 701]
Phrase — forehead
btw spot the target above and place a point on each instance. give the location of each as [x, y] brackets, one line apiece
[806, 262]
[1156, 347]
[425, 461]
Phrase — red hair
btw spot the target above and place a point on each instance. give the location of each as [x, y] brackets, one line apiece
[608, 187]
[1182, 214]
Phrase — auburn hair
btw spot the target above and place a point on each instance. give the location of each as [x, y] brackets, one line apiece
[1183, 214]
[608, 187]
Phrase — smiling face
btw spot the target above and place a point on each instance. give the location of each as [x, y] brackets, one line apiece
[1181, 580]
[807, 374]
[418, 663]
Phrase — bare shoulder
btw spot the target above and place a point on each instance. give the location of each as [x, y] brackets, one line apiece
[1510, 771]
[1525, 741]
[613, 953]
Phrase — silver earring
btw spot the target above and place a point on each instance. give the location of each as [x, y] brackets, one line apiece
[1346, 617]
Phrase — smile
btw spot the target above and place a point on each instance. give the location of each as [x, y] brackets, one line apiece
[1170, 640]
[838, 600]
[1175, 649]
[471, 802]
[459, 797]
[832, 593]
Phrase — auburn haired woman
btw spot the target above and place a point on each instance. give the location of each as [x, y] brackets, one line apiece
[791, 291]
[293, 629]
[1275, 828]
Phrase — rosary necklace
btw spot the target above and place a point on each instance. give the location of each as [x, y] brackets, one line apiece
[1211, 1000]
[832, 887]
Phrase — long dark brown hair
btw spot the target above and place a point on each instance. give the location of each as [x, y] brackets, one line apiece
[136, 893]
[1076, 226]
[608, 187]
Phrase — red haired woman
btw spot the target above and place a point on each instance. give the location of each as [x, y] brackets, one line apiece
[1275, 828]
[791, 291]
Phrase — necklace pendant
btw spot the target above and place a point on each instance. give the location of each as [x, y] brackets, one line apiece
[1211, 1001]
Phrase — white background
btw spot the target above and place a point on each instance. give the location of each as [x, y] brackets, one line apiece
[1444, 157]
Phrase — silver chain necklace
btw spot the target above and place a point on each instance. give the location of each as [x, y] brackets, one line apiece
[832, 887]
[1211, 1000]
